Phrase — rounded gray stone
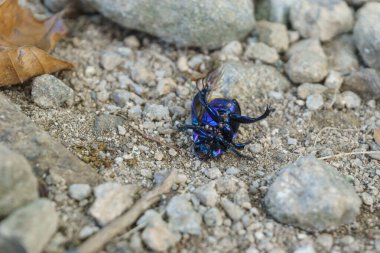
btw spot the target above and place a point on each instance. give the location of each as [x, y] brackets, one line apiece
[50, 92]
[209, 24]
[312, 195]
[321, 19]
[367, 34]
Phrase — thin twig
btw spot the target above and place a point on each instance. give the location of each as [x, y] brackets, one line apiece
[349, 153]
[96, 242]
[151, 138]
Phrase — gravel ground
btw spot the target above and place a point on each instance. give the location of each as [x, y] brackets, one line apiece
[119, 71]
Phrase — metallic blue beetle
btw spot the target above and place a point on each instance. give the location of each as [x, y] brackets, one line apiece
[216, 123]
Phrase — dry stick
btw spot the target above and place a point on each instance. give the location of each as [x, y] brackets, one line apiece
[150, 137]
[96, 242]
[349, 153]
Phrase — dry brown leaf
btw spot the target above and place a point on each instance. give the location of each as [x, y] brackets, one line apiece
[376, 136]
[20, 64]
[22, 41]
[18, 27]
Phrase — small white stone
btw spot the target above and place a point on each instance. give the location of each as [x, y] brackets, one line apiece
[182, 64]
[119, 160]
[90, 71]
[305, 249]
[314, 102]
[367, 199]
[87, 231]
[233, 210]
[132, 42]
[233, 48]
[334, 80]
[79, 191]
[121, 130]
[232, 171]
[292, 141]
[158, 156]
[213, 173]
[172, 152]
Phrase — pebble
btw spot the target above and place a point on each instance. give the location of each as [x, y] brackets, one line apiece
[156, 112]
[165, 86]
[121, 130]
[326, 241]
[157, 235]
[244, 80]
[182, 216]
[307, 62]
[107, 123]
[227, 184]
[314, 102]
[262, 52]
[255, 148]
[274, 35]
[233, 211]
[233, 48]
[158, 156]
[292, 141]
[307, 89]
[207, 194]
[365, 82]
[189, 23]
[213, 173]
[232, 171]
[141, 75]
[334, 80]
[50, 92]
[121, 97]
[367, 34]
[300, 205]
[18, 185]
[322, 20]
[341, 54]
[79, 191]
[111, 200]
[182, 64]
[135, 112]
[110, 60]
[32, 225]
[276, 95]
[348, 99]
[212, 217]
[132, 42]
[274, 10]
[305, 249]
[87, 231]
[367, 199]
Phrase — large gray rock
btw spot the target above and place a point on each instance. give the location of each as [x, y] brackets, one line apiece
[312, 195]
[307, 62]
[365, 82]
[321, 19]
[18, 185]
[209, 24]
[246, 80]
[32, 225]
[367, 34]
[43, 153]
[341, 54]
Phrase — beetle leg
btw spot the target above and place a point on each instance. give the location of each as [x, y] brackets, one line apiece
[233, 149]
[247, 120]
[241, 145]
[213, 113]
